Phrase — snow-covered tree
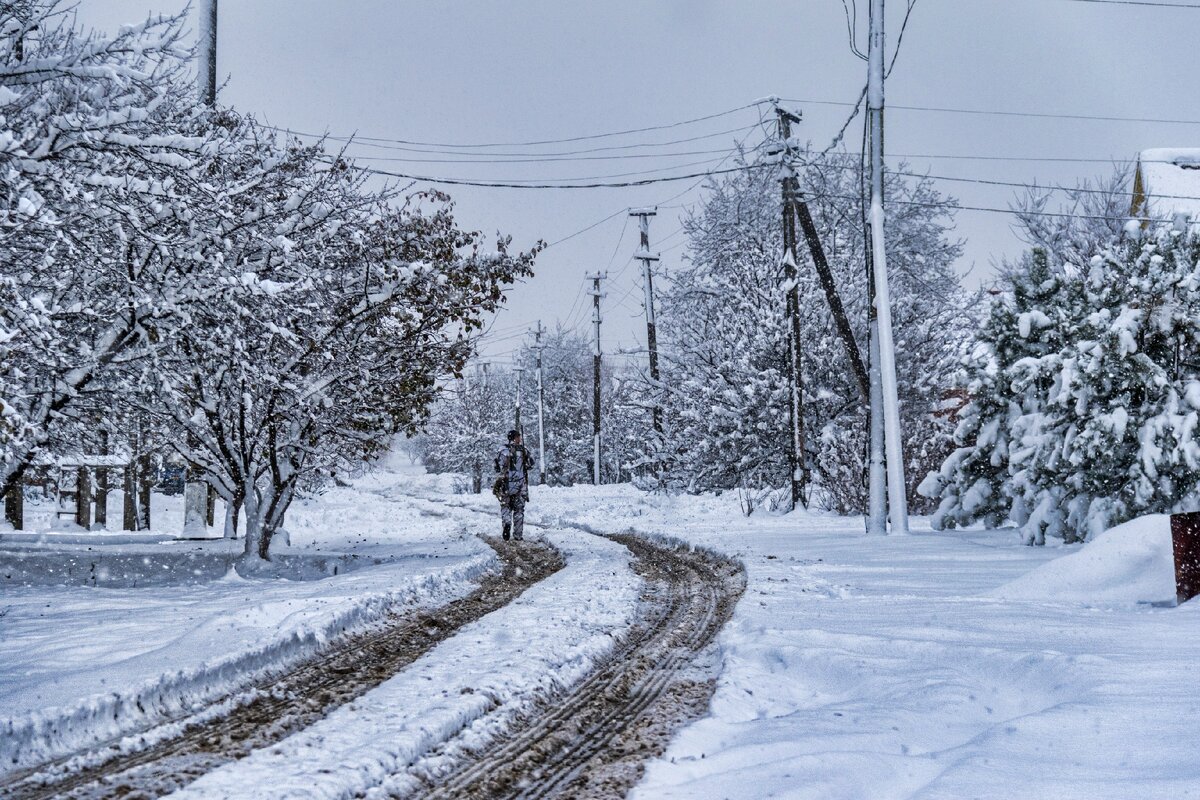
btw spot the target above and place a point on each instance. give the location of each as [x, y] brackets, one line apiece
[335, 317]
[468, 423]
[98, 135]
[1101, 402]
[724, 340]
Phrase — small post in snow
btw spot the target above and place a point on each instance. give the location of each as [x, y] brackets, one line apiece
[596, 295]
[897, 500]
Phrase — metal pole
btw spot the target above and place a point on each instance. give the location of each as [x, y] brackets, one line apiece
[897, 501]
[790, 188]
[596, 295]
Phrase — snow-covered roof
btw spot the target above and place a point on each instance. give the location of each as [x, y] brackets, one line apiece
[1167, 182]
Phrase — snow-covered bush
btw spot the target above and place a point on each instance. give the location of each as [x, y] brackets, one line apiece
[1084, 395]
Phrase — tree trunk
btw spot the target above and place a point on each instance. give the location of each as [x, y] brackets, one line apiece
[129, 517]
[14, 506]
[145, 476]
[83, 498]
[232, 510]
[100, 517]
[101, 500]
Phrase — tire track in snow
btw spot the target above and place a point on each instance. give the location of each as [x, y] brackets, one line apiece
[233, 727]
[594, 741]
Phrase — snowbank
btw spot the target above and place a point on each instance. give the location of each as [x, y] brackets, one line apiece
[1131, 563]
[83, 664]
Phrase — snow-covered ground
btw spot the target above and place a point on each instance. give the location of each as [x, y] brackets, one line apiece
[171, 625]
[937, 665]
[907, 667]
[472, 684]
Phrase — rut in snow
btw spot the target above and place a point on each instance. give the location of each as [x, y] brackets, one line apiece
[593, 741]
[286, 704]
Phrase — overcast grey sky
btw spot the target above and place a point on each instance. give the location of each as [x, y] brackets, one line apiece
[519, 70]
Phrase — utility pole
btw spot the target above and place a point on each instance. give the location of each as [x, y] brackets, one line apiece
[197, 493]
[791, 190]
[596, 295]
[538, 347]
[647, 258]
[207, 47]
[520, 377]
[897, 502]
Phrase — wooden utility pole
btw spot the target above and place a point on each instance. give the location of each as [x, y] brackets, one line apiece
[647, 258]
[207, 48]
[791, 190]
[520, 378]
[897, 501]
[596, 295]
[538, 347]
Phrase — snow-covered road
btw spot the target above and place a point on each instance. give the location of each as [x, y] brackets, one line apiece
[474, 685]
[937, 665]
[81, 664]
[859, 667]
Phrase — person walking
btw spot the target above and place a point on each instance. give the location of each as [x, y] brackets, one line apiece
[512, 485]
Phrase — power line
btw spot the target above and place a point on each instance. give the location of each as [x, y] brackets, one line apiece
[1014, 184]
[1029, 114]
[392, 144]
[1138, 3]
[538, 159]
[568, 140]
[582, 231]
[594, 185]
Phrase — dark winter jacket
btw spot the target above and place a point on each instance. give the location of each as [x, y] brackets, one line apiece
[513, 463]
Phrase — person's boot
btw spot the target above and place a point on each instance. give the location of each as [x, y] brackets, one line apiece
[507, 529]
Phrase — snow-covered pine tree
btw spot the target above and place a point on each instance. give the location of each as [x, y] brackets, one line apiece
[1102, 403]
[975, 481]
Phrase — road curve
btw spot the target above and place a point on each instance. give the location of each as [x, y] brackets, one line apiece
[594, 741]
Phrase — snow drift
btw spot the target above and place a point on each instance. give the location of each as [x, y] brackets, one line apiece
[1131, 563]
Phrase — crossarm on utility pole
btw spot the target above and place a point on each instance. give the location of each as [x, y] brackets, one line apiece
[840, 321]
